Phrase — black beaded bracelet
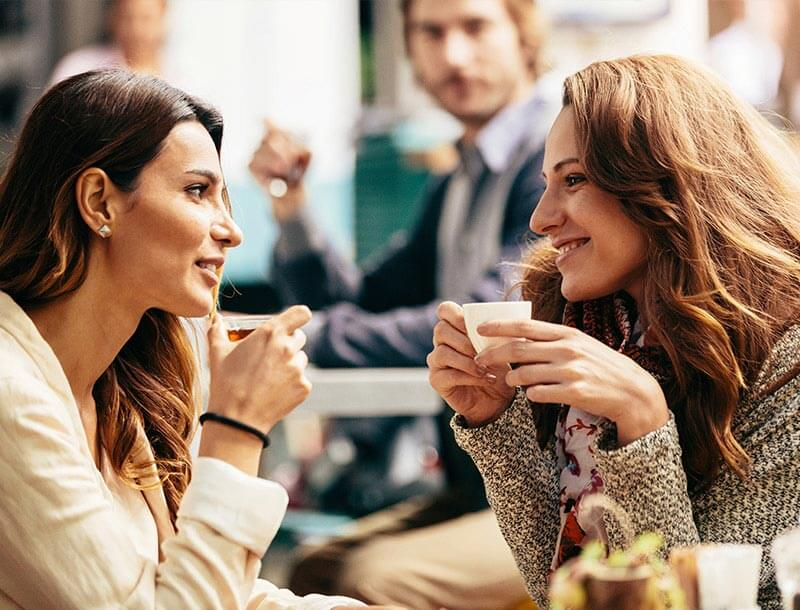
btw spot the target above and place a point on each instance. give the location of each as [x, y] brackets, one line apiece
[234, 423]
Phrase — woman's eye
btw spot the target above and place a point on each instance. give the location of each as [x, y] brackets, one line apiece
[574, 179]
[197, 189]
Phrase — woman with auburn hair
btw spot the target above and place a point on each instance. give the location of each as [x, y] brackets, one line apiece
[114, 221]
[661, 366]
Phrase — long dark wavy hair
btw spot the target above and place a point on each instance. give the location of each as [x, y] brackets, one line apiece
[716, 189]
[116, 121]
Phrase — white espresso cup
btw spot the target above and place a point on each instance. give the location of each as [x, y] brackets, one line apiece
[476, 314]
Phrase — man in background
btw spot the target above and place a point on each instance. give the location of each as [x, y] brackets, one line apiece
[480, 60]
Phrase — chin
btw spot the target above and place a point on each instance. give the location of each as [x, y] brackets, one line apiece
[200, 311]
[196, 307]
[575, 292]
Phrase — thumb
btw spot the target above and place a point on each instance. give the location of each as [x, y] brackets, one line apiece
[218, 342]
[304, 159]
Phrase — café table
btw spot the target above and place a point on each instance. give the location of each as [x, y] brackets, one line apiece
[341, 392]
[369, 392]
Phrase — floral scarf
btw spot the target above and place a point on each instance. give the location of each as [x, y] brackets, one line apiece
[612, 320]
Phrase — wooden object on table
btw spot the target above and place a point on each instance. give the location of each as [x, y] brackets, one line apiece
[623, 589]
[683, 562]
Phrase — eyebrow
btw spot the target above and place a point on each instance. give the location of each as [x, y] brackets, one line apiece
[212, 176]
[424, 25]
[562, 163]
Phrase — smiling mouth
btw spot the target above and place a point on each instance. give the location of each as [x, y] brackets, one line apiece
[208, 266]
[565, 249]
[572, 245]
[209, 270]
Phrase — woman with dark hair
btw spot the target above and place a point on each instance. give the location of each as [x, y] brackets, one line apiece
[114, 221]
[661, 366]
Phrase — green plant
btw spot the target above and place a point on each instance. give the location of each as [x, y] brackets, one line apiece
[640, 568]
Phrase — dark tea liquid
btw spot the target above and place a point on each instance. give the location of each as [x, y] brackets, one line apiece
[237, 334]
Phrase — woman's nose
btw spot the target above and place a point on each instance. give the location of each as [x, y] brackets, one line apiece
[227, 231]
[546, 215]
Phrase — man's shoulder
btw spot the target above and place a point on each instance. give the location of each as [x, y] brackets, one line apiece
[528, 173]
[87, 58]
[436, 189]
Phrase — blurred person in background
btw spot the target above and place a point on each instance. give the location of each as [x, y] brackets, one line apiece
[480, 60]
[748, 50]
[138, 31]
[790, 77]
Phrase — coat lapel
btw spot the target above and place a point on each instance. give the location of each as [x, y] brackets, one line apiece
[153, 492]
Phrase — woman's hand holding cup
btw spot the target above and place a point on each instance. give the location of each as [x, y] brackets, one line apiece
[558, 364]
[479, 394]
[261, 378]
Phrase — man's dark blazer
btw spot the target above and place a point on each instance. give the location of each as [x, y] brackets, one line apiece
[384, 316]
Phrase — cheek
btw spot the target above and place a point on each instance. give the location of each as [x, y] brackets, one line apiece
[627, 255]
[425, 61]
[505, 53]
[174, 234]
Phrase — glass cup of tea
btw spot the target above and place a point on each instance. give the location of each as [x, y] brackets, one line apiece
[728, 575]
[239, 326]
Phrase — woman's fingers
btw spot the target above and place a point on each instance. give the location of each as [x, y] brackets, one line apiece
[521, 351]
[297, 340]
[535, 330]
[451, 312]
[444, 380]
[292, 319]
[538, 374]
[555, 393]
[444, 333]
[218, 343]
[445, 357]
[300, 360]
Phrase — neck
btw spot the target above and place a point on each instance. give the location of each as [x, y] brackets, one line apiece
[636, 290]
[144, 62]
[474, 125]
[471, 130]
[86, 329]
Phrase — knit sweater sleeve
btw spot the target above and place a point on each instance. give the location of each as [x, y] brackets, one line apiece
[647, 479]
[522, 487]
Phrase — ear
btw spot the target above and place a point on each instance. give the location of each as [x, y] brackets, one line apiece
[96, 196]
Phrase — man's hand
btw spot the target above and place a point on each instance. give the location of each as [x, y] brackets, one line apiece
[279, 165]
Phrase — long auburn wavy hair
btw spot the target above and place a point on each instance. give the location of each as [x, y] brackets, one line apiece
[716, 189]
[116, 121]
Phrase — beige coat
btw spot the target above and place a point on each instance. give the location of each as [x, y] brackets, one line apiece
[72, 536]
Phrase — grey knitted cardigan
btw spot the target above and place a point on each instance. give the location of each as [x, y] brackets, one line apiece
[647, 479]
